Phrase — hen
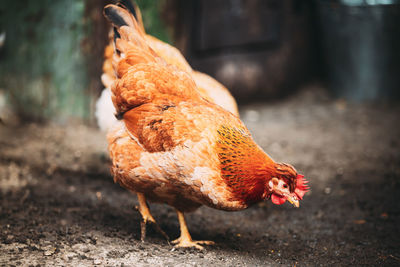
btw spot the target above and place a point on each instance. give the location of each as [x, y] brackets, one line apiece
[207, 86]
[174, 146]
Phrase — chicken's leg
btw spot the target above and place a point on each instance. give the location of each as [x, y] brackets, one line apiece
[185, 240]
[147, 218]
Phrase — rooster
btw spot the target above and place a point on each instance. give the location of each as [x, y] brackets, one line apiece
[172, 145]
[207, 86]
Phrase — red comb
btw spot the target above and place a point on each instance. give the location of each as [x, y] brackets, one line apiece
[301, 186]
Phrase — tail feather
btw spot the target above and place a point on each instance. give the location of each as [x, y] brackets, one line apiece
[117, 16]
[125, 23]
[129, 40]
[116, 34]
[129, 6]
[134, 10]
[142, 76]
[120, 18]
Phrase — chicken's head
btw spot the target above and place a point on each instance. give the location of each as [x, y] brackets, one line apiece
[287, 185]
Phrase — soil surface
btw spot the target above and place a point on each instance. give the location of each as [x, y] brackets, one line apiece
[59, 205]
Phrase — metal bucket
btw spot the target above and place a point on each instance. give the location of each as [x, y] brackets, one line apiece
[361, 47]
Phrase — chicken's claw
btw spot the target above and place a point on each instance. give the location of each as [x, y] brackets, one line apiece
[189, 243]
[185, 240]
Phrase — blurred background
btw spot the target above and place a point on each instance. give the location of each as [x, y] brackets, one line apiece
[52, 51]
[318, 85]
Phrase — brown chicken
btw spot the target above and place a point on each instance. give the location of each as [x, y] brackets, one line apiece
[174, 146]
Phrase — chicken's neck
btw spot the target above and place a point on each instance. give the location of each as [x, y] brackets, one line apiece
[245, 167]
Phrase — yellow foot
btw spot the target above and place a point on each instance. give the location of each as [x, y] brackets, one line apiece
[188, 243]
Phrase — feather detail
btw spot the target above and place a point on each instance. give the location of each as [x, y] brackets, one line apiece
[244, 166]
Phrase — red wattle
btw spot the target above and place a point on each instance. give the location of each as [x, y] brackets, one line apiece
[278, 200]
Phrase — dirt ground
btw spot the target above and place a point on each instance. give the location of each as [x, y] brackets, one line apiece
[59, 205]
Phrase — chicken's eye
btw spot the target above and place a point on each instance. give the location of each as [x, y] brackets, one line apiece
[285, 186]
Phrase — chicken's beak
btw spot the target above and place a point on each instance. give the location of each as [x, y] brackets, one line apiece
[293, 200]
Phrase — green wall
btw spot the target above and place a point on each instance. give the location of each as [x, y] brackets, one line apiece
[42, 67]
[50, 64]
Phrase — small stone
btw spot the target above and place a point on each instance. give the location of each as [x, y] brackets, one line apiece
[49, 252]
[327, 190]
[68, 256]
[97, 261]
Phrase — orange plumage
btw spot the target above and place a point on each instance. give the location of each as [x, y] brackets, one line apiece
[174, 146]
[208, 87]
